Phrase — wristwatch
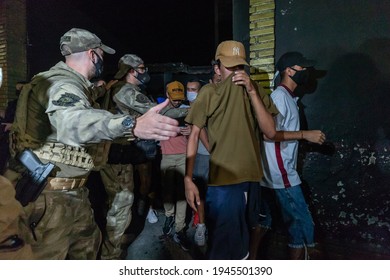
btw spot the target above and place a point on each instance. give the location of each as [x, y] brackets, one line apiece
[129, 124]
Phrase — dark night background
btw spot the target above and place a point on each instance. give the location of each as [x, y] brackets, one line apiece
[158, 31]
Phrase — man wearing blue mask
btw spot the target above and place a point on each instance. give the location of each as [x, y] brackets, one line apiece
[193, 86]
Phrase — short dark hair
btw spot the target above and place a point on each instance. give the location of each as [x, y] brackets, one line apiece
[193, 79]
[216, 62]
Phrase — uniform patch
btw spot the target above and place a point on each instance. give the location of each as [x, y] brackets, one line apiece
[67, 100]
[141, 98]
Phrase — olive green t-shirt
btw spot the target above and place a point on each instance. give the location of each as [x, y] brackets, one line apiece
[226, 110]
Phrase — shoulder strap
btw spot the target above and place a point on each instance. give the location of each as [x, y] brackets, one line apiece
[20, 139]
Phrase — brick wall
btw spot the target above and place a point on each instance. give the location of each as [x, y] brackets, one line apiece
[13, 36]
[262, 41]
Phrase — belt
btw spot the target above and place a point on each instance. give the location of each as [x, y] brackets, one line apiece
[56, 183]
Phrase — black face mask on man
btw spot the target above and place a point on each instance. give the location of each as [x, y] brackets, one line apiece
[144, 78]
[98, 66]
[300, 77]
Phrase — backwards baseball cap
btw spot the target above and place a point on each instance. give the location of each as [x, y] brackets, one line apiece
[175, 90]
[127, 62]
[80, 40]
[293, 58]
[231, 53]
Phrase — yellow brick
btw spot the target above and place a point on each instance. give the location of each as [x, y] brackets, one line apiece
[256, 45]
[265, 39]
[262, 24]
[262, 53]
[261, 77]
[262, 16]
[262, 61]
[266, 6]
[265, 32]
[263, 44]
[261, 2]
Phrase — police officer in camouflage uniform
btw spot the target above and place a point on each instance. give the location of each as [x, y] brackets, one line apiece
[56, 118]
[117, 175]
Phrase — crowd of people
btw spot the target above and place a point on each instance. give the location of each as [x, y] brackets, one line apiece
[228, 156]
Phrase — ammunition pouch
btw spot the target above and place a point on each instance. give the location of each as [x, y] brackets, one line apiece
[69, 155]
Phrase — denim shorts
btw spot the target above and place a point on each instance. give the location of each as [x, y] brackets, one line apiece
[226, 214]
[294, 211]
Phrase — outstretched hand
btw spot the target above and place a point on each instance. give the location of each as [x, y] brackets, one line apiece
[152, 125]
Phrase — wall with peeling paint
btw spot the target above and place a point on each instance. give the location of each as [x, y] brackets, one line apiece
[347, 181]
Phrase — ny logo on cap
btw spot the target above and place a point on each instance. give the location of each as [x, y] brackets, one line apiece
[236, 51]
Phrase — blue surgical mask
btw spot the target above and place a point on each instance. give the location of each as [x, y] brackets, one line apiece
[191, 95]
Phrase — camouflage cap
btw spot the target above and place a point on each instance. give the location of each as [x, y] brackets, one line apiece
[80, 40]
[127, 62]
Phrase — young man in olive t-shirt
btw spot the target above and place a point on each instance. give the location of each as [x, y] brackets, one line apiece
[233, 110]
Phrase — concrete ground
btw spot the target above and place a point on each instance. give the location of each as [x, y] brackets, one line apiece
[141, 240]
[145, 242]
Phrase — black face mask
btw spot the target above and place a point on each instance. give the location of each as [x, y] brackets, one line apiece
[301, 77]
[144, 78]
[98, 66]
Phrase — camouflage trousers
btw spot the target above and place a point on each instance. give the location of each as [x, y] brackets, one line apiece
[119, 185]
[65, 225]
[12, 231]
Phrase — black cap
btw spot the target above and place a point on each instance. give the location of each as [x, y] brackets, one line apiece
[293, 58]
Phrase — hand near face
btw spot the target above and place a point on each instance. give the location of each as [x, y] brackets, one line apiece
[241, 78]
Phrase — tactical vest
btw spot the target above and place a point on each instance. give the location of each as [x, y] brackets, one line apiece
[32, 126]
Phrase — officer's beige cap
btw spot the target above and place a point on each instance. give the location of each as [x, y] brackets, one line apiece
[80, 40]
[127, 62]
[231, 53]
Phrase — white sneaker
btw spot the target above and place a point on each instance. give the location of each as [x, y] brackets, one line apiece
[152, 216]
[200, 235]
